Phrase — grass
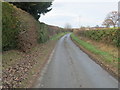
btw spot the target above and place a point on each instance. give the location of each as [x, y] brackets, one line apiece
[57, 36]
[102, 35]
[107, 57]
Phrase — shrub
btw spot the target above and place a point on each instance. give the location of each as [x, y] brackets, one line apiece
[43, 34]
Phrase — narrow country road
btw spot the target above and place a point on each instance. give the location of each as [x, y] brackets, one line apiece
[72, 68]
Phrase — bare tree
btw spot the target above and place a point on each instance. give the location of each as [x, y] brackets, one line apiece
[108, 23]
[67, 26]
[111, 19]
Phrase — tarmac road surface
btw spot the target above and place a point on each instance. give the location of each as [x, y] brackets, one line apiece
[69, 67]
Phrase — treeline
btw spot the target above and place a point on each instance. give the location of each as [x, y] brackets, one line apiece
[21, 31]
[108, 36]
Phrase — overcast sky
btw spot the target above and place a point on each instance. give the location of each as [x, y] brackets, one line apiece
[79, 12]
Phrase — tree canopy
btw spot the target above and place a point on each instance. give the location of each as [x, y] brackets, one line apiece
[34, 8]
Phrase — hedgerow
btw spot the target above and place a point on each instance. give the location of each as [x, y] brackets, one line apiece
[21, 31]
[110, 36]
[43, 34]
[9, 27]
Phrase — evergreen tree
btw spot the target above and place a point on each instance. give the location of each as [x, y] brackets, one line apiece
[34, 8]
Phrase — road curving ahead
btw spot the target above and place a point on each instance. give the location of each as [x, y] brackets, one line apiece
[70, 67]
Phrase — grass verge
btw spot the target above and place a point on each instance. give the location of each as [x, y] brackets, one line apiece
[105, 59]
[57, 36]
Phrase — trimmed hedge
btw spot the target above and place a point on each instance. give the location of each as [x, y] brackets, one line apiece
[107, 35]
